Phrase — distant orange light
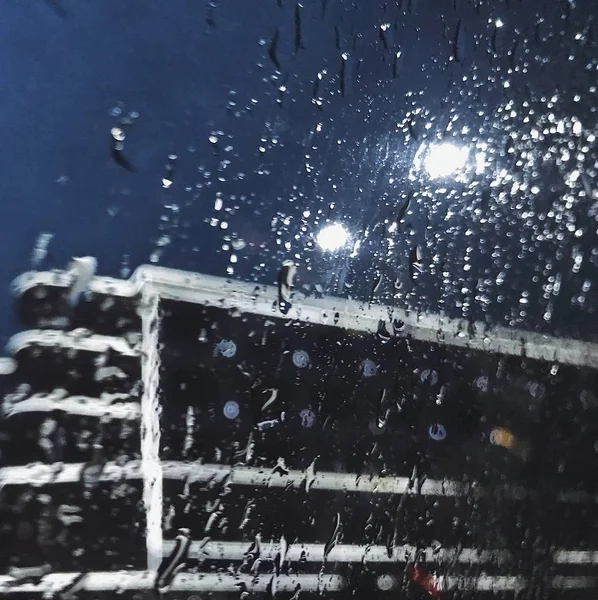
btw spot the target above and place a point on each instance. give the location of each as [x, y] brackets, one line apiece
[502, 437]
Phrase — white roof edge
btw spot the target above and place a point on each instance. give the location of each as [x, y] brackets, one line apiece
[332, 311]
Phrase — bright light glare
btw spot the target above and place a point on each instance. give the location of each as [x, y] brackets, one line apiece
[445, 160]
[332, 237]
[480, 162]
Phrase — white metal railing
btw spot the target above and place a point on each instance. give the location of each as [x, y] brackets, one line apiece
[150, 284]
[341, 553]
[226, 583]
[151, 466]
[38, 474]
[111, 405]
[331, 311]
[360, 553]
[183, 582]
[73, 340]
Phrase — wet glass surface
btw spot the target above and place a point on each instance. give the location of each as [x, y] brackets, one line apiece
[360, 359]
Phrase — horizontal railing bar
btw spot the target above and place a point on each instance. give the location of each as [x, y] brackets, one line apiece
[41, 474]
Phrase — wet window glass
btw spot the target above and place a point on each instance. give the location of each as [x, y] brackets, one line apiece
[299, 299]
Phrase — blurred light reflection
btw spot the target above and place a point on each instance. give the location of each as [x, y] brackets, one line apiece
[332, 237]
[445, 160]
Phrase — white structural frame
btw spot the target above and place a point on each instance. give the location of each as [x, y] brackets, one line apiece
[148, 285]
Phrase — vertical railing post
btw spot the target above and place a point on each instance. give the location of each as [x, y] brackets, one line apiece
[150, 424]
